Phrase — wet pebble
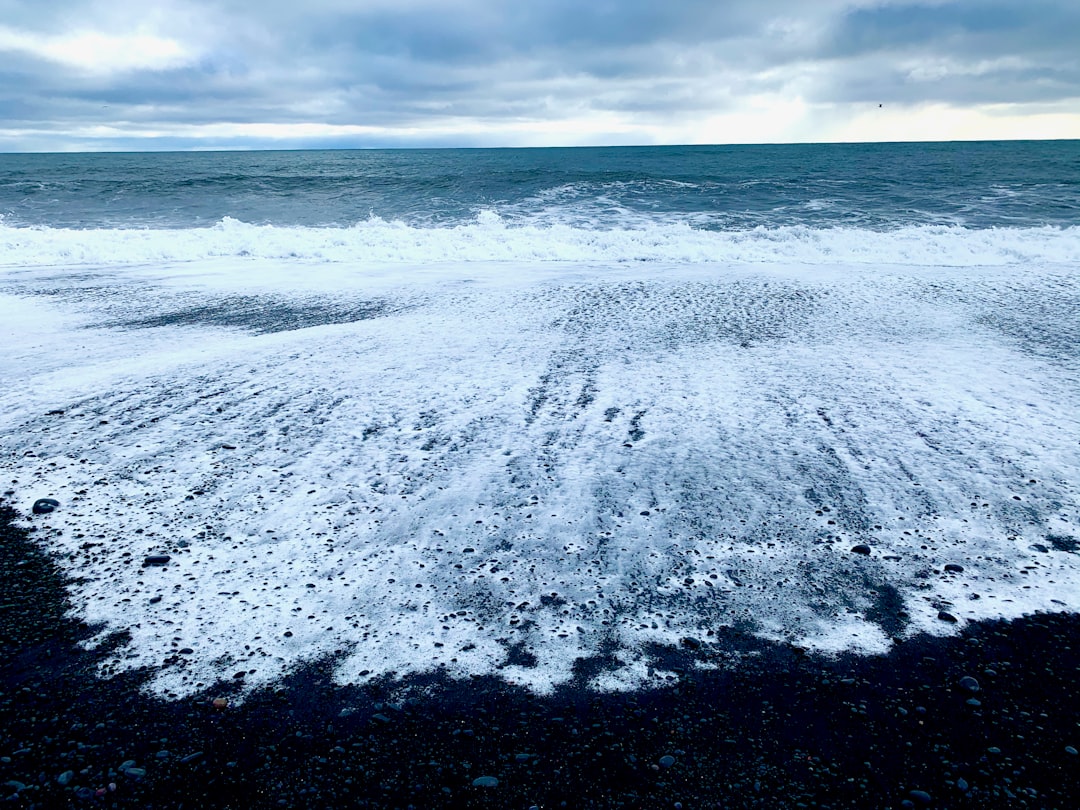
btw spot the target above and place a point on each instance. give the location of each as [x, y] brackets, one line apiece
[947, 617]
[862, 548]
[485, 781]
[43, 506]
[969, 683]
[920, 796]
[157, 559]
[65, 778]
[667, 761]
[954, 568]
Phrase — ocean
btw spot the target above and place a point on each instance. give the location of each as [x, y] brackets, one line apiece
[508, 412]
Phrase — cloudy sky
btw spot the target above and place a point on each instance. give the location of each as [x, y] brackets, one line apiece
[158, 74]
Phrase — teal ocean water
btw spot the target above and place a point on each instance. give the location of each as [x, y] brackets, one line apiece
[876, 186]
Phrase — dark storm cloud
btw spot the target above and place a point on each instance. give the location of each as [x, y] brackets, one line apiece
[960, 53]
[396, 65]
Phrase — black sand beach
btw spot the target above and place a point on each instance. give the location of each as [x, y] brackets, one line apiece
[986, 719]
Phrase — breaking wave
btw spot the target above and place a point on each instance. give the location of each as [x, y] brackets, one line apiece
[491, 238]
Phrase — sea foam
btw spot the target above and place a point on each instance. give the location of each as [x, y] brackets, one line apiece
[491, 238]
[497, 470]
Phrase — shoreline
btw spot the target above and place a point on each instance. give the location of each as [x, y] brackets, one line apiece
[779, 728]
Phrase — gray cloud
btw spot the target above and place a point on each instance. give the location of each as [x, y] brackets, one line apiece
[407, 65]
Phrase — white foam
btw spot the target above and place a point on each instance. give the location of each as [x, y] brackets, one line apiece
[338, 473]
[490, 238]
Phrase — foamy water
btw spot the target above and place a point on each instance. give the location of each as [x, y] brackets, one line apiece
[502, 449]
[489, 237]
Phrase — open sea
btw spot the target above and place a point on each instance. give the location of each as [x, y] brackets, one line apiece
[554, 418]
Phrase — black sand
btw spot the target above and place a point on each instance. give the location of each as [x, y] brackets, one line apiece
[777, 729]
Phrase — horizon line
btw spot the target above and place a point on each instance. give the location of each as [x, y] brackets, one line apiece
[418, 148]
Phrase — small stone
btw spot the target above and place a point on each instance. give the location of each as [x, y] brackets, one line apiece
[947, 617]
[485, 781]
[920, 796]
[191, 757]
[186, 651]
[961, 783]
[969, 683]
[691, 643]
[43, 506]
[65, 778]
[993, 749]
[382, 718]
[1070, 750]
[219, 703]
[954, 568]
[157, 559]
[667, 761]
[862, 548]
[135, 773]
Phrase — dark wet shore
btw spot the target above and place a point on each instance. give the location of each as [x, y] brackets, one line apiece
[779, 729]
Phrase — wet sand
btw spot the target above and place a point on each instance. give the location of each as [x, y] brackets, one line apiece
[772, 726]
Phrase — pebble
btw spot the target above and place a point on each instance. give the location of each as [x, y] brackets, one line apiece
[135, 773]
[962, 784]
[485, 781]
[66, 777]
[43, 506]
[954, 568]
[862, 548]
[969, 683]
[667, 761]
[920, 796]
[191, 757]
[947, 617]
[1070, 750]
[157, 559]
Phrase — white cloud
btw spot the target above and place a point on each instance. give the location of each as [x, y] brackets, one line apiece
[99, 53]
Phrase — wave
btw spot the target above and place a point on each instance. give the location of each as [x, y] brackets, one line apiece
[490, 238]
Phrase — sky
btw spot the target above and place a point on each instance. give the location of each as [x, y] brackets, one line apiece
[80, 75]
